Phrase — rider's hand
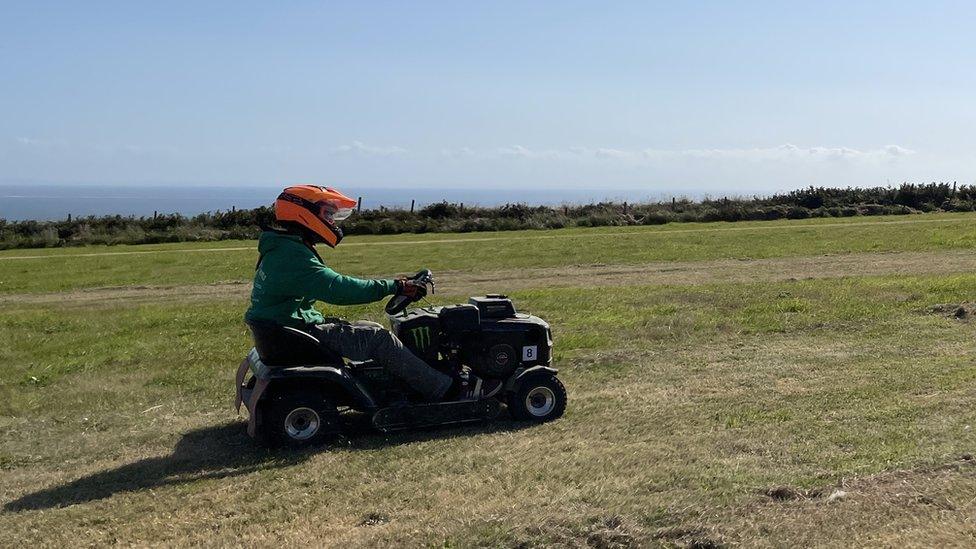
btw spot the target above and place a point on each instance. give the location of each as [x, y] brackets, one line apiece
[410, 288]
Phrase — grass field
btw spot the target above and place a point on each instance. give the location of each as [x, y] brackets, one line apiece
[756, 384]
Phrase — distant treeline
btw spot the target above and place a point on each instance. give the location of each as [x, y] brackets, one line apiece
[448, 217]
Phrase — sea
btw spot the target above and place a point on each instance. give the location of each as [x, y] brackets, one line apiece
[44, 202]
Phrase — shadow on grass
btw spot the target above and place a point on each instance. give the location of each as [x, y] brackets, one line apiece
[216, 452]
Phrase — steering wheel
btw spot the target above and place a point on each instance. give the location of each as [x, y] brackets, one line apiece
[398, 303]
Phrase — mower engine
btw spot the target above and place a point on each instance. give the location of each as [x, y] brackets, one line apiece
[486, 334]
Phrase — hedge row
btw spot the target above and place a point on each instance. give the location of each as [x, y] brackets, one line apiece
[448, 217]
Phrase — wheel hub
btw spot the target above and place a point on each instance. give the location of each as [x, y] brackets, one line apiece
[540, 401]
[302, 423]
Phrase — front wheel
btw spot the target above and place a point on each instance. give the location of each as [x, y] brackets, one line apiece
[302, 420]
[538, 399]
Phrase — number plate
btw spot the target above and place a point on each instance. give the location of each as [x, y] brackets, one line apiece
[530, 352]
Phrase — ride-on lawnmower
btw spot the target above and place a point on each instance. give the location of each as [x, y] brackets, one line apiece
[296, 392]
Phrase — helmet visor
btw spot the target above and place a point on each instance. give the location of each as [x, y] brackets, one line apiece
[341, 214]
[331, 212]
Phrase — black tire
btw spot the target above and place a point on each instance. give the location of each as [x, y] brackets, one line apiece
[538, 399]
[301, 419]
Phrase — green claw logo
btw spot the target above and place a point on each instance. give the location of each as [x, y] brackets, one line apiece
[421, 337]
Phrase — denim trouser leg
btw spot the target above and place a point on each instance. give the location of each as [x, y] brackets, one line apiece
[364, 340]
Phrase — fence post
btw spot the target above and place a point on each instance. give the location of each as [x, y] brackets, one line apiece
[411, 205]
[673, 203]
[462, 207]
[69, 218]
[359, 204]
[155, 213]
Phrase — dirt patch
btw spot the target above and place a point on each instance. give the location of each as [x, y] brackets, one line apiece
[958, 311]
[135, 294]
[374, 519]
[689, 538]
[787, 493]
[647, 274]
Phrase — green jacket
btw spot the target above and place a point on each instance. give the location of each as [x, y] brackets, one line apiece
[291, 277]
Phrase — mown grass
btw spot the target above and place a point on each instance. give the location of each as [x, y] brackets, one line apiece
[687, 403]
[66, 269]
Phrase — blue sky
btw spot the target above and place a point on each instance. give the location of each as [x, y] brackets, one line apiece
[665, 96]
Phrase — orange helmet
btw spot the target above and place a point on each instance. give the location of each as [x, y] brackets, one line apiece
[316, 210]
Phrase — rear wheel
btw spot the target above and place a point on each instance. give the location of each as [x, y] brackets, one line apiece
[539, 399]
[302, 419]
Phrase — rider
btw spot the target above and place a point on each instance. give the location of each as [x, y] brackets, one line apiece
[291, 276]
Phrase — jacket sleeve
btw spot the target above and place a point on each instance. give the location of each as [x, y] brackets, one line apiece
[323, 284]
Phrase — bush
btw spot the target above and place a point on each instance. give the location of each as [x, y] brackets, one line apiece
[656, 218]
[797, 213]
[872, 209]
[440, 210]
[775, 213]
[444, 216]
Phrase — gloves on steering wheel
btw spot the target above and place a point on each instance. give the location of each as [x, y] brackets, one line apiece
[410, 288]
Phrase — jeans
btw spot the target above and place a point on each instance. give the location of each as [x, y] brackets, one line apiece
[364, 340]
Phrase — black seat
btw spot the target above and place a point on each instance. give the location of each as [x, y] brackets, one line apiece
[281, 346]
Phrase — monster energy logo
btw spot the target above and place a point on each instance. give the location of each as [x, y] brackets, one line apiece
[421, 337]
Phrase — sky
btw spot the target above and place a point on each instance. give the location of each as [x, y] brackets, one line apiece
[693, 97]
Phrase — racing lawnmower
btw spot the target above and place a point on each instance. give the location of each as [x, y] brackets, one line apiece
[298, 393]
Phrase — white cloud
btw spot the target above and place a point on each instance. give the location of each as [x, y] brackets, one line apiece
[612, 153]
[895, 150]
[360, 148]
[30, 142]
[463, 152]
[518, 151]
[786, 153]
[782, 152]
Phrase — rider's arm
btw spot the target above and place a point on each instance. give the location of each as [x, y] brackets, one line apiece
[324, 284]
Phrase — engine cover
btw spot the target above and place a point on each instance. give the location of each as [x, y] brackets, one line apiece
[501, 358]
[502, 346]
[488, 334]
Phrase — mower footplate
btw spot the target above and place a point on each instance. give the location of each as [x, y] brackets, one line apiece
[396, 418]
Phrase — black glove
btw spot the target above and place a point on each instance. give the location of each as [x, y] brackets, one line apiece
[408, 287]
